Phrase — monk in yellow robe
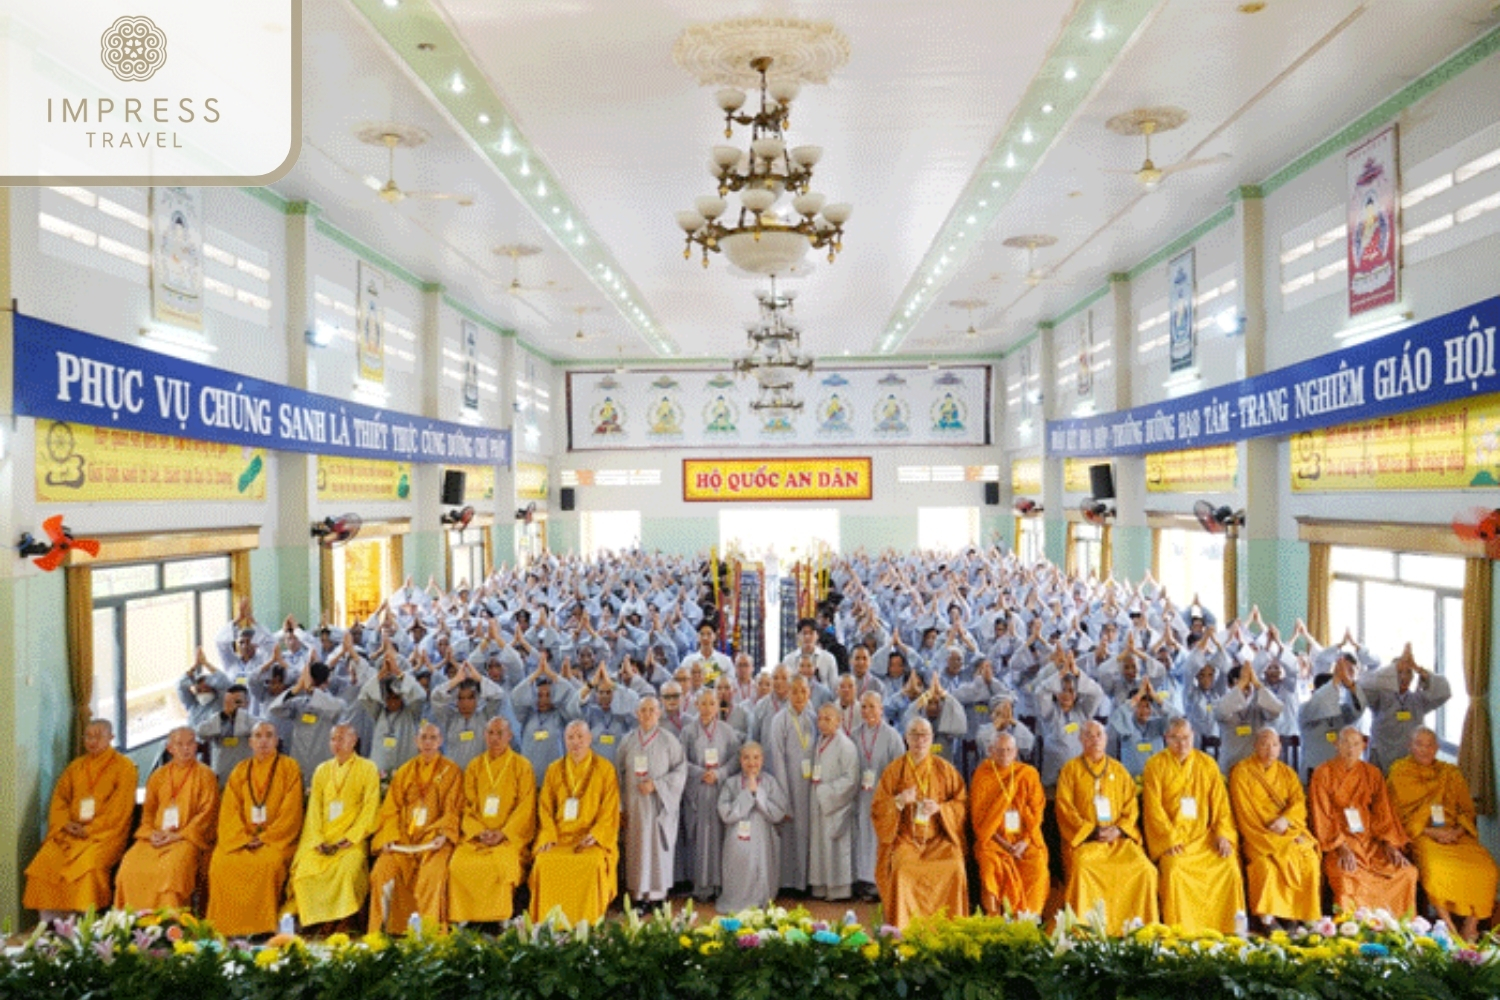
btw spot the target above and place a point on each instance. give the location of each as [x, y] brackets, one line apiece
[1190, 835]
[1097, 818]
[1281, 853]
[1006, 804]
[177, 829]
[260, 819]
[88, 825]
[499, 821]
[919, 813]
[577, 847]
[1432, 800]
[330, 873]
[1359, 833]
[414, 836]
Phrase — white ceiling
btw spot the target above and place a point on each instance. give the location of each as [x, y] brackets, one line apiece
[928, 89]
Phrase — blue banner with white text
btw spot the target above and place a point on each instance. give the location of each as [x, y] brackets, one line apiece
[65, 374]
[1446, 358]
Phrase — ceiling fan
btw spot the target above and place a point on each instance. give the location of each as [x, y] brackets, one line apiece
[969, 305]
[1148, 122]
[405, 137]
[579, 337]
[515, 251]
[1031, 244]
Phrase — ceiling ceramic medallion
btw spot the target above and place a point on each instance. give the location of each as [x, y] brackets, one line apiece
[720, 53]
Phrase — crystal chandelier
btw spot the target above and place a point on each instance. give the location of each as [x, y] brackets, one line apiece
[774, 360]
[763, 238]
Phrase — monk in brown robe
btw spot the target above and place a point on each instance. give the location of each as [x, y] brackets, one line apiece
[1358, 831]
[88, 826]
[177, 828]
[919, 813]
[414, 836]
[260, 821]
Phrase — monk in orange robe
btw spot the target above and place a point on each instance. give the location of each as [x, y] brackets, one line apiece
[88, 825]
[1432, 800]
[1281, 853]
[176, 832]
[1098, 819]
[414, 837]
[260, 820]
[1358, 831]
[1006, 806]
[577, 847]
[499, 821]
[919, 813]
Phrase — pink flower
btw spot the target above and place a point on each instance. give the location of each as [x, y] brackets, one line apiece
[1468, 956]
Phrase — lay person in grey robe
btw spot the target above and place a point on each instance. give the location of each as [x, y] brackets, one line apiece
[789, 753]
[750, 804]
[652, 772]
[876, 744]
[712, 748]
[835, 779]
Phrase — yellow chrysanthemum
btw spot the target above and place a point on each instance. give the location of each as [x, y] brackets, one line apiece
[709, 947]
[685, 941]
[870, 951]
[267, 956]
[905, 950]
[184, 948]
[337, 940]
[376, 941]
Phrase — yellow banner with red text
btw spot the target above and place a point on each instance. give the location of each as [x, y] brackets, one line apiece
[775, 479]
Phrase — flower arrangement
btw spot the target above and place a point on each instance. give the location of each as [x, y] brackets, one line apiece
[762, 954]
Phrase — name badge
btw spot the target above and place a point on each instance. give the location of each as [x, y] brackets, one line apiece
[1242, 730]
[1352, 817]
[743, 829]
[923, 815]
[817, 773]
[1187, 807]
[539, 735]
[711, 757]
[1331, 736]
[85, 810]
[170, 818]
[1403, 716]
[607, 739]
[982, 709]
[390, 742]
[1104, 813]
[1012, 821]
[1071, 727]
[335, 810]
[937, 748]
[1438, 818]
[419, 817]
[1143, 748]
[491, 805]
[467, 736]
[258, 815]
[231, 741]
[641, 764]
[310, 719]
[867, 779]
[570, 810]
[806, 768]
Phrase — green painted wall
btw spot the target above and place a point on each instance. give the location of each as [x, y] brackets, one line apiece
[503, 543]
[876, 533]
[1274, 576]
[994, 524]
[563, 535]
[34, 673]
[1055, 541]
[1132, 551]
[424, 556]
[679, 535]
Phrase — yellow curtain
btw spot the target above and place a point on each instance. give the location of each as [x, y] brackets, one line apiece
[1475, 758]
[1318, 577]
[79, 584]
[1156, 555]
[1070, 558]
[1106, 552]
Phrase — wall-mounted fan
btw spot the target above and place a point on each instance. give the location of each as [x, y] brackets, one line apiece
[526, 513]
[1026, 506]
[1095, 511]
[334, 531]
[458, 520]
[51, 553]
[1480, 525]
[1217, 520]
